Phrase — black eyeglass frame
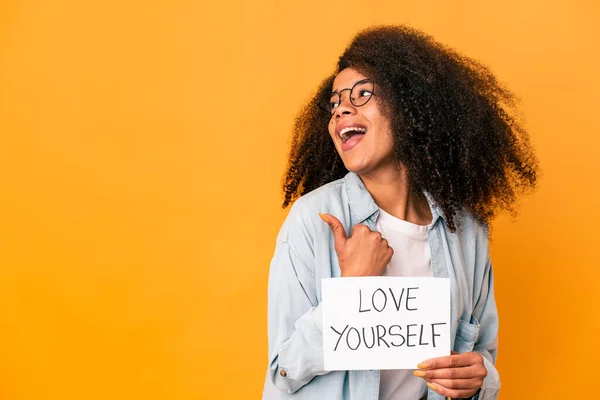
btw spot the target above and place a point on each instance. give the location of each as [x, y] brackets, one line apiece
[325, 104]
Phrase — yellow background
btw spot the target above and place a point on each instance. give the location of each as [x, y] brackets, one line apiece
[142, 145]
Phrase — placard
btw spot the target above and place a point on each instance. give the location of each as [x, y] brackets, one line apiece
[384, 322]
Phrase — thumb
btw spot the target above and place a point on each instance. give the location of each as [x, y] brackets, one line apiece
[339, 235]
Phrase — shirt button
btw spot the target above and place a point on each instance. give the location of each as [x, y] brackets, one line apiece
[283, 373]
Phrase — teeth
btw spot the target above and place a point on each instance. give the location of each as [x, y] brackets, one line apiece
[349, 129]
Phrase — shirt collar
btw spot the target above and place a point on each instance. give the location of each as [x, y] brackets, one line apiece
[362, 205]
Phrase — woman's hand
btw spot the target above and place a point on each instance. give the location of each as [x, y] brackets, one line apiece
[365, 253]
[456, 376]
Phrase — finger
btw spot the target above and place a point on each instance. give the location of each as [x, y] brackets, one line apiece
[361, 229]
[465, 384]
[469, 372]
[452, 393]
[385, 243]
[453, 361]
[339, 234]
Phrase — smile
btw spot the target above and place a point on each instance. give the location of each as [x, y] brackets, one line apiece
[350, 131]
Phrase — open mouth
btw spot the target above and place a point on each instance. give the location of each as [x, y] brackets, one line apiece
[351, 131]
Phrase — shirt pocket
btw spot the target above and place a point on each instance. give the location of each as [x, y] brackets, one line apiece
[467, 334]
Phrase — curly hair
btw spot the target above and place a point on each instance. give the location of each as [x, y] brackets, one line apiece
[456, 129]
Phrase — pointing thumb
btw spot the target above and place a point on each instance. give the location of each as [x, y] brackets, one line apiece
[339, 235]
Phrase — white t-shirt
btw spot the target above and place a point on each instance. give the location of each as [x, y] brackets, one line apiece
[411, 258]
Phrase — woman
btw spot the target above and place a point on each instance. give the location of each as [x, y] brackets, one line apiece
[413, 149]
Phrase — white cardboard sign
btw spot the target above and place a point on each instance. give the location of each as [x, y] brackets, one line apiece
[384, 322]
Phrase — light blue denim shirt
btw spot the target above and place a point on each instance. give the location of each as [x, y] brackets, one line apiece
[304, 254]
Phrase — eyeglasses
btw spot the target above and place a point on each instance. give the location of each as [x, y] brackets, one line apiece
[360, 94]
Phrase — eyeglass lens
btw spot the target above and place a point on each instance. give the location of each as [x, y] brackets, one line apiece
[359, 95]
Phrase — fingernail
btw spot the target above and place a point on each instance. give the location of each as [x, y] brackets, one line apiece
[419, 373]
[431, 386]
[324, 218]
[423, 365]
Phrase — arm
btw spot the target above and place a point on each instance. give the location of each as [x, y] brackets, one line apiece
[295, 324]
[487, 343]
[295, 317]
[472, 374]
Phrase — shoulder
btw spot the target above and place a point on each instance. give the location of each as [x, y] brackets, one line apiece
[330, 192]
[303, 223]
[469, 226]
[471, 236]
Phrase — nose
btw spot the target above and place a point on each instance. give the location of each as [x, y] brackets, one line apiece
[345, 106]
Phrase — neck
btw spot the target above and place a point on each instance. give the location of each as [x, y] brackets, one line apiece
[393, 193]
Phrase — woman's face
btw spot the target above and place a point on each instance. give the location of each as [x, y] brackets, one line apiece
[362, 152]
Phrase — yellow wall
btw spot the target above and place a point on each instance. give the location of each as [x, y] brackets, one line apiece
[141, 150]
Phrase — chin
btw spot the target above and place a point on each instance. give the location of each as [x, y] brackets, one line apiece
[368, 166]
[356, 167]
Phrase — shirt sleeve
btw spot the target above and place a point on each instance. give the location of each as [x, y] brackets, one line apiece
[295, 322]
[487, 343]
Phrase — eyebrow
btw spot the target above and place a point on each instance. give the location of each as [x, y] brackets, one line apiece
[360, 80]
